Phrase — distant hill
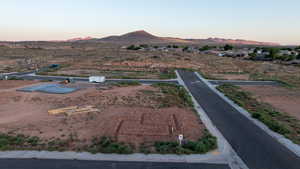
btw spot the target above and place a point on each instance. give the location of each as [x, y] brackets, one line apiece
[232, 41]
[142, 36]
[79, 39]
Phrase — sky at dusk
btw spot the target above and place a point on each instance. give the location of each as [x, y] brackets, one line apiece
[261, 20]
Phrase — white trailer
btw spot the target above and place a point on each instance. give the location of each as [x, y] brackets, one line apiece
[97, 79]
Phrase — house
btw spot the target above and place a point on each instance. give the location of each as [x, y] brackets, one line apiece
[285, 52]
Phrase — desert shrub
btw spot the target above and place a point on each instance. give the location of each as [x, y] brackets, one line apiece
[128, 83]
[206, 47]
[174, 95]
[133, 47]
[202, 145]
[15, 78]
[279, 122]
[144, 45]
[9, 142]
[107, 145]
[167, 74]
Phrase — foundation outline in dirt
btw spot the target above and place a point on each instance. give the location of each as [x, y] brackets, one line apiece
[198, 158]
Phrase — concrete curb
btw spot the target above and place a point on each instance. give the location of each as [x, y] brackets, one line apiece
[137, 157]
[286, 142]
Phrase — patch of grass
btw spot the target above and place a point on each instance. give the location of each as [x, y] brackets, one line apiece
[168, 74]
[107, 145]
[145, 149]
[202, 145]
[277, 121]
[262, 77]
[22, 142]
[208, 76]
[127, 83]
[174, 95]
[56, 74]
[9, 142]
[14, 78]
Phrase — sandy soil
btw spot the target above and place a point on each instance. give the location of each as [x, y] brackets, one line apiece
[232, 76]
[280, 98]
[8, 84]
[125, 113]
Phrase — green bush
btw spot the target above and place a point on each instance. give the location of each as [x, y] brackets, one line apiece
[9, 142]
[107, 145]
[202, 145]
[228, 47]
[15, 78]
[133, 47]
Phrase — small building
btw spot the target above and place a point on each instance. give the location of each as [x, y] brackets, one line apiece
[97, 79]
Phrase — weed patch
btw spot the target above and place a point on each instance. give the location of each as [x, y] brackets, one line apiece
[174, 95]
[279, 122]
[203, 145]
[107, 145]
[127, 83]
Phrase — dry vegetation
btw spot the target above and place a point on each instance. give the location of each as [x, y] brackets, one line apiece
[84, 59]
[279, 121]
[130, 118]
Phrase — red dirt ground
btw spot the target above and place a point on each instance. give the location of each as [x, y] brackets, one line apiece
[7, 84]
[125, 113]
[283, 99]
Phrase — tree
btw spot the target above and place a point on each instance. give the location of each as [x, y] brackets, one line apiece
[298, 56]
[133, 47]
[273, 53]
[228, 47]
[204, 48]
[297, 48]
[144, 45]
[252, 56]
[289, 49]
[185, 48]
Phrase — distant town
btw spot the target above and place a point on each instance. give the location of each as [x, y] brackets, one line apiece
[286, 55]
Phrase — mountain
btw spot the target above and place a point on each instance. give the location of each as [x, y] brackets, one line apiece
[143, 37]
[233, 41]
[134, 37]
[80, 39]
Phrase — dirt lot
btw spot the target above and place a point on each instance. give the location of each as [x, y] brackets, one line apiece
[280, 98]
[126, 114]
[100, 58]
[8, 84]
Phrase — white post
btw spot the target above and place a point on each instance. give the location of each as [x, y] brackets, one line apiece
[180, 138]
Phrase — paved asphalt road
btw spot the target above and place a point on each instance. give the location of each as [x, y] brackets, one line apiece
[75, 164]
[255, 147]
[60, 78]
